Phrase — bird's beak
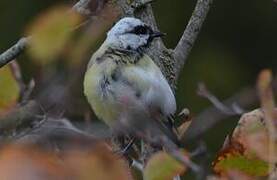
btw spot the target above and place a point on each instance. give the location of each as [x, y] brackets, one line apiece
[156, 34]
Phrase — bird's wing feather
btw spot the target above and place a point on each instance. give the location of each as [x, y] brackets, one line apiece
[150, 86]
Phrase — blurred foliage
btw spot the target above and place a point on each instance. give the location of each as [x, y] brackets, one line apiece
[50, 33]
[162, 166]
[253, 167]
[247, 149]
[9, 91]
[79, 164]
[236, 42]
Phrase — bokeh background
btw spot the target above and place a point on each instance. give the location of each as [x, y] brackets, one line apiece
[237, 41]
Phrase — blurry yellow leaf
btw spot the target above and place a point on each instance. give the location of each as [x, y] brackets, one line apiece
[50, 32]
[98, 164]
[9, 90]
[162, 166]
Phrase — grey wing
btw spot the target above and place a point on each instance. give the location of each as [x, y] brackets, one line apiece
[147, 99]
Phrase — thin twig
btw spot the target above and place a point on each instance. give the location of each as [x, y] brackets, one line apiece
[15, 68]
[190, 34]
[212, 116]
[234, 109]
[28, 91]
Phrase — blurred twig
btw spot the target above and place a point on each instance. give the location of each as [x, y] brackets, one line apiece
[15, 68]
[204, 92]
[211, 116]
[268, 105]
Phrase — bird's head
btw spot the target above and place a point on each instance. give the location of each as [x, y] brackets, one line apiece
[131, 34]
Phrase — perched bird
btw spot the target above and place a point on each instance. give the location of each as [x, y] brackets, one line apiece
[124, 86]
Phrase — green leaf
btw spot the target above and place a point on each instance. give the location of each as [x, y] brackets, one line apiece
[253, 167]
[162, 166]
[9, 91]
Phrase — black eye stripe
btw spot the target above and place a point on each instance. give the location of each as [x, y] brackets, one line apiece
[141, 30]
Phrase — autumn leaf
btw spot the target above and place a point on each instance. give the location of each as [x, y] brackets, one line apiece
[247, 149]
[162, 166]
[232, 174]
[97, 164]
[25, 163]
[9, 91]
[50, 33]
[235, 161]
[252, 134]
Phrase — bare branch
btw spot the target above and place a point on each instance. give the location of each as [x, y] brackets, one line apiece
[13, 52]
[190, 34]
[211, 116]
[234, 109]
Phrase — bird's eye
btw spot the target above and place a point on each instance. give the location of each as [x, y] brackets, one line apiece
[140, 30]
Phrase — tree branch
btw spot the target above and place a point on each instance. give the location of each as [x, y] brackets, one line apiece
[190, 34]
[13, 52]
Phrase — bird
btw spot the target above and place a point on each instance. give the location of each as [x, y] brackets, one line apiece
[124, 86]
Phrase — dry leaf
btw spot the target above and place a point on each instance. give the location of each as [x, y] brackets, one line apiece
[97, 164]
[27, 163]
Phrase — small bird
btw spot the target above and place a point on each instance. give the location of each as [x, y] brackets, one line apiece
[124, 86]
